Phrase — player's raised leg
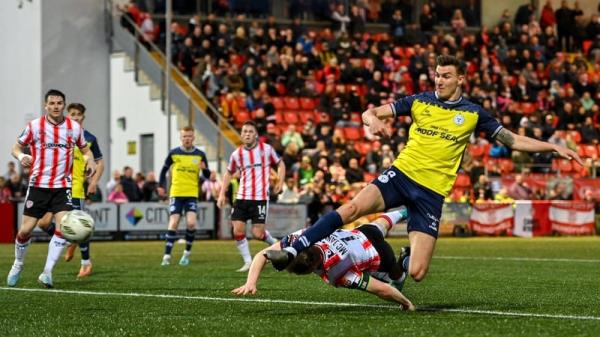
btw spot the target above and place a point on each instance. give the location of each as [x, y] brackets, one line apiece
[368, 200]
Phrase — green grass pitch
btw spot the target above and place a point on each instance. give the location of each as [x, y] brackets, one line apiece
[475, 287]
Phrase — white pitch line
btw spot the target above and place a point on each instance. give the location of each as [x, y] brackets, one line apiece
[334, 304]
[532, 259]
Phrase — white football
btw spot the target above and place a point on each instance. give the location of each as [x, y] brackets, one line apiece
[77, 226]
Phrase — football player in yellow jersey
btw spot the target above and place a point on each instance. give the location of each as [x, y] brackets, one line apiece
[186, 163]
[424, 172]
[76, 112]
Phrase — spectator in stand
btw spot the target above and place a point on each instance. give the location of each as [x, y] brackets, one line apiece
[398, 27]
[211, 188]
[10, 170]
[306, 172]
[186, 60]
[354, 173]
[340, 19]
[129, 186]
[17, 187]
[565, 23]
[519, 190]
[290, 193]
[114, 180]
[5, 191]
[523, 14]
[292, 136]
[271, 137]
[503, 197]
[117, 195]
[559, 192]
[357, 21]
[547, 17]
[458, 23]
[483, 185]
[589, 132]
[427, 19]
[149, 188]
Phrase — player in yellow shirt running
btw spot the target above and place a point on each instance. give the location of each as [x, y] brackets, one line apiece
[186, 163]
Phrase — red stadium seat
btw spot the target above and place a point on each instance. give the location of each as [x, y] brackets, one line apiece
[477, 151]
[368, 177]
[277, 103]
[305, 116]
[291, 103]
[565, 166]
[462, 180]
[590, 150]
[291, 117]
[351, 133]
[356, 117]
[307, 103]
[241, 117]
[575, 135]
[528, 108]
[506, 165]
[279, 118]
[363, 147]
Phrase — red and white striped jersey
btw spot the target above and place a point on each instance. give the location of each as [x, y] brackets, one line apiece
[346, 255]
[52, 151]
[254, 166]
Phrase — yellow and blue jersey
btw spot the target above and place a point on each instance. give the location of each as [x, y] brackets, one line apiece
[186, 166]
[77, 187]
[438, 136]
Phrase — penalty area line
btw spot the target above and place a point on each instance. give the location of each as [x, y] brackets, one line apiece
[334, 304]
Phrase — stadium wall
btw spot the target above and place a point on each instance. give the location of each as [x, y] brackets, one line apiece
[21, 69]
[142, 116]
[52, 44]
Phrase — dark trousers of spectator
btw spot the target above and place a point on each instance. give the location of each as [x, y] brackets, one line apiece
[565, 41]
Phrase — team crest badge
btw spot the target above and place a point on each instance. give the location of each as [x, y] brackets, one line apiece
[29, 204]
[459, 119]
[383, 178]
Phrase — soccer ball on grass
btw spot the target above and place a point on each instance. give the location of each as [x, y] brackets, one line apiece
[77, 226]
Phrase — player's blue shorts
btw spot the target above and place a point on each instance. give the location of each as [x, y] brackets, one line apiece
[185, 204]
[424, 206]
[78, 203]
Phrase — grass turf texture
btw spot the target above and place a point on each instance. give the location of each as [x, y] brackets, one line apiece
[555, 278]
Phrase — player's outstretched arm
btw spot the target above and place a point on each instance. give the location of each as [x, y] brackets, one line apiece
[387, 292]
[527, 144]
[24, 159]
[258, 263]
[373, 117]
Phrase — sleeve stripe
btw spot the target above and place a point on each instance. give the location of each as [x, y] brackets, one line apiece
[393, 109]
[496, 132]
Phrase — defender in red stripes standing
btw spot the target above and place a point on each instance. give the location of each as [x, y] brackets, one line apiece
[253, 161]
[51, 140]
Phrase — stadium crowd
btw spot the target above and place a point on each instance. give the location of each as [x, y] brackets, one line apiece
[305, 89]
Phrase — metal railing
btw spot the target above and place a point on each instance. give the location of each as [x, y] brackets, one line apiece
[184, 95]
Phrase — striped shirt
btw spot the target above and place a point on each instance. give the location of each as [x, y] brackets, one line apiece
[346, 255]
[52, 147]
[254, 166]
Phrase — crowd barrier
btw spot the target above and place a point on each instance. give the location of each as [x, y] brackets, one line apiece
[148, 220]
[529, 218]
[138, 221]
